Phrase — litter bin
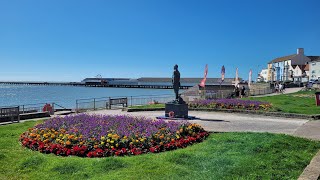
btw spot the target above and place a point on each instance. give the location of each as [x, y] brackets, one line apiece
[317, 98]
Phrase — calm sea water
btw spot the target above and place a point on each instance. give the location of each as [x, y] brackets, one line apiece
[65, 95]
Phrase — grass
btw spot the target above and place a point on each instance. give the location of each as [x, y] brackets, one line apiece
[148, 106]
[221, 156]
[302, 102]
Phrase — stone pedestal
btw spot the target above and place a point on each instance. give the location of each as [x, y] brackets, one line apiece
[179, 110]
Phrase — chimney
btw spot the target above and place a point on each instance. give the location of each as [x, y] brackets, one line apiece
[300, 51]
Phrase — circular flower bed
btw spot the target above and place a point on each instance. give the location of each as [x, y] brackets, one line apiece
[230, 104]
[100, 136]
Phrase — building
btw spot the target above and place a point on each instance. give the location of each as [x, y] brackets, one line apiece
[314, 67]
[263, 76]
[183, 81]
[155, 81]
[288, 68]
[111, 81]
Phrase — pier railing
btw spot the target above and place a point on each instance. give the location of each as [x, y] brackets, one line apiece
[105, 102]
[36, 108]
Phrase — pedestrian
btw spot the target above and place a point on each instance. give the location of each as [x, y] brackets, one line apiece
[280, 88]
[237, 91]
[276, 87]
[243, 92]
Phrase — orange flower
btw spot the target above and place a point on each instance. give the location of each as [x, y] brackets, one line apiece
[68, 143]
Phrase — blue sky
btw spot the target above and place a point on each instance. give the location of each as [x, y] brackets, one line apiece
[70, 40]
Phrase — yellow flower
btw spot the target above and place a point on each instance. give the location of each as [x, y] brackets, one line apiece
[102, 138]
[102, 143]
[111, 142]
[109, 135]
[108, 140]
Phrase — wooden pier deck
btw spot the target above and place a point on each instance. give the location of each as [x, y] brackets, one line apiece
[91, 85]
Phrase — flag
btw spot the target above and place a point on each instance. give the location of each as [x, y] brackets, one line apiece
[250, 77]
[237, 78]
[203, 81]
[223, 71]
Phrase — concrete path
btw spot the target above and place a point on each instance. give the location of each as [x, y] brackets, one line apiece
[287, 91]
[228, 122]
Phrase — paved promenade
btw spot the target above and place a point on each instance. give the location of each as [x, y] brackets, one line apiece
[287, 91]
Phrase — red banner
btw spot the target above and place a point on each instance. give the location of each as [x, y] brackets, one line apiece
[203, 81]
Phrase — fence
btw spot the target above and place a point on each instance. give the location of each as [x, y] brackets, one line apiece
[105, 102]
[262, 91]
[38, 107]
[208, 94]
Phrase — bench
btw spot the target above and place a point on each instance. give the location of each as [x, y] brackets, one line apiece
[118, 101]
[9, 114]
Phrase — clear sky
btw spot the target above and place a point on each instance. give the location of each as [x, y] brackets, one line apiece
[59, 40]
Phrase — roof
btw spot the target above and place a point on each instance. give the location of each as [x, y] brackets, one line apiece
[314, 58]
[284, 58]
[106, 79]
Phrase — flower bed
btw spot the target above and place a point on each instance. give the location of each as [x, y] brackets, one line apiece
[100, 136]
[230, 104]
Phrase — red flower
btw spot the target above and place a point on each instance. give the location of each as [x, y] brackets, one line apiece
[152, 149]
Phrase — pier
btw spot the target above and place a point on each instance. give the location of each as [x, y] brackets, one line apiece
[93, 85]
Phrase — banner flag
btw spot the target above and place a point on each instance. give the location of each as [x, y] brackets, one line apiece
[250, 78]
[237, 78]
[223, 72]
[203, 81]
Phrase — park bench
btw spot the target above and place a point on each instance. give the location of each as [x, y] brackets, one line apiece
[118, 101]
[9, 114]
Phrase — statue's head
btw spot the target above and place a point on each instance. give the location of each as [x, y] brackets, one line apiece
[175, 67]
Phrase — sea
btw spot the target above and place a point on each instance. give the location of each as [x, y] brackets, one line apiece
[66, 96]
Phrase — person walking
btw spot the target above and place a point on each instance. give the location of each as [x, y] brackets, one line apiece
[243, 92]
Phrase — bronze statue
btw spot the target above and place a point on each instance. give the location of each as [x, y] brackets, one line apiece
[176, 81]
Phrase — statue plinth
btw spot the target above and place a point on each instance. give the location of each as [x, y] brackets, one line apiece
[176, 110]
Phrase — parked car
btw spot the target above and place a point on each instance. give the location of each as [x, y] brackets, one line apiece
[313, 81]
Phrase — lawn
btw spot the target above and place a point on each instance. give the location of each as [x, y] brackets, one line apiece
[221, 156]
[149, 106]
[302, 102]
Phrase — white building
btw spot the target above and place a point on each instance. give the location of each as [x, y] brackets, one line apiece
[314, 67]
[291, 68]
[262, 76]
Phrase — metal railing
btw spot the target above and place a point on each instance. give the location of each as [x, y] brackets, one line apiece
[34, 108]
[104, 102]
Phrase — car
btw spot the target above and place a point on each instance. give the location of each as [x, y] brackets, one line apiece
[313, 81]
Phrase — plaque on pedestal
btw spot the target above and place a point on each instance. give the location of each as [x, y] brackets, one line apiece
[175, 110]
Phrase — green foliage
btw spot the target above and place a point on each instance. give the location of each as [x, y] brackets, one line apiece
[302, 102]
[149, 106]
[221, 156]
